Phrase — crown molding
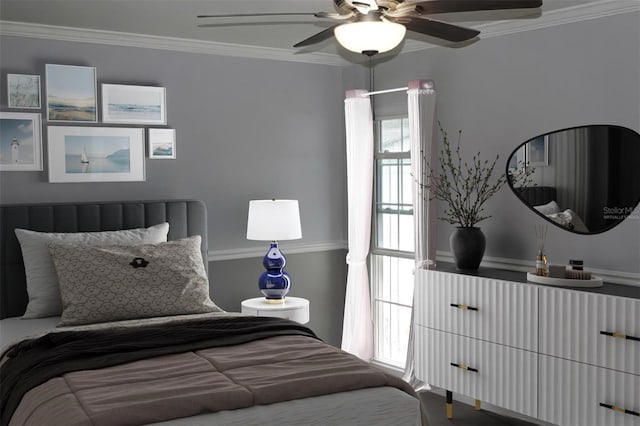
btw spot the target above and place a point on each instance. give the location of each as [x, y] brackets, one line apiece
[115, 38]
[586, 12]
[593, 10]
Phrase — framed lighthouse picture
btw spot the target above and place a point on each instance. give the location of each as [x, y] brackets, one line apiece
[20, 141]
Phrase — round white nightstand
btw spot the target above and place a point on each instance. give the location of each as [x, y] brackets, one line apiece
[293, 308]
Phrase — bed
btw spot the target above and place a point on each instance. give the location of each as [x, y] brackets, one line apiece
[543, 200]
[198, 367]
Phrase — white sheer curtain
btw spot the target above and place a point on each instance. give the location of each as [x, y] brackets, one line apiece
[571, 149]
[423, 138]
[357, 328]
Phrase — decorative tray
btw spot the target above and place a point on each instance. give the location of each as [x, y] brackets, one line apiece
[564, 282]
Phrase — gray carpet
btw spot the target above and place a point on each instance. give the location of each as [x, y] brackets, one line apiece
[463, 414]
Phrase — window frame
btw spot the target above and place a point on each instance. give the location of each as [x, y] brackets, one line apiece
[378, 302]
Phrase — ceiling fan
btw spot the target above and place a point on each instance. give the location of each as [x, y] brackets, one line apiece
[377, 26]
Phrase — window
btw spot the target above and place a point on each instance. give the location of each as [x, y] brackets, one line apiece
[392, 259]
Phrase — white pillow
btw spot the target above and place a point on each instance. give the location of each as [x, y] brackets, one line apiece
[42, 281]
[570, 220]
[550, 208]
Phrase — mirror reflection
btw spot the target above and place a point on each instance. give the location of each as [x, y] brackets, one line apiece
[583, 179]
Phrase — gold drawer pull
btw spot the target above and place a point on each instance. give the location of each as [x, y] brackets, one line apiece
[619, 409]
[465, 307]
[464, 367]
[619, 335]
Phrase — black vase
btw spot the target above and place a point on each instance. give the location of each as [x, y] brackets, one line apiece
[467, 245]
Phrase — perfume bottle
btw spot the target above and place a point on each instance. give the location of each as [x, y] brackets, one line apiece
[541, 264]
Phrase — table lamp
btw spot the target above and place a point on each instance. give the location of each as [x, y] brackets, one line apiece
[274, 220]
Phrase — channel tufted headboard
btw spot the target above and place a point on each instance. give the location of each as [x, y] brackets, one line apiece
[186, 218]
[537, 195]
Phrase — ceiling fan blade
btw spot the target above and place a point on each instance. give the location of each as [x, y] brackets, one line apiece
[451, 6]
[317, 38]
[365, 4]
[243, 15]
[343, 5]
[439, 29]
[334, 15]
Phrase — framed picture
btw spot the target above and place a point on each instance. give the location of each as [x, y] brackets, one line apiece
[95, 154]
[518, 159]
[23, 91]
[71, 93]
[133, 104]
[162, 143]
[20, 141]
[537, 151]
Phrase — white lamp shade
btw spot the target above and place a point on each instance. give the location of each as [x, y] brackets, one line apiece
[273, 220]
[379, 36]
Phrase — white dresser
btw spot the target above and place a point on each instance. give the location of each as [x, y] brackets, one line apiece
[563, 356]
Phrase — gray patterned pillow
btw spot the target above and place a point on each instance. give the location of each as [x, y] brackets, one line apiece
[112, 283]
[42, 282]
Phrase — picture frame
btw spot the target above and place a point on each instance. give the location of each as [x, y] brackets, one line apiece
[518, 159]
[162, 144]
[537, 152]
[71, 93]
[128, 104]
[95, 154]
[20, 141]
[23, 91]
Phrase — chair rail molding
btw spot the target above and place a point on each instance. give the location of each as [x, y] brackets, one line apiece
[288, 248]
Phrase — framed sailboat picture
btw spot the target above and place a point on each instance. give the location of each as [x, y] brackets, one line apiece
[95, 154]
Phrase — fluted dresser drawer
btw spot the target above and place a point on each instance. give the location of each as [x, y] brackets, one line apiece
[591, 328]
[489, 372]
[498, 311]
[576, 394]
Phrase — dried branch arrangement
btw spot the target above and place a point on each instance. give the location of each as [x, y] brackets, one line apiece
[464, 187]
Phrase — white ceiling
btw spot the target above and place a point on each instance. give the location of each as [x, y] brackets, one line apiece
[177, 19]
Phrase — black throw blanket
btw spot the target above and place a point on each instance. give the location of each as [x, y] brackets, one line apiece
[33, 362]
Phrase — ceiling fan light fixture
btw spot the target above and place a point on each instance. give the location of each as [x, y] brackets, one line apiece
[371, 36]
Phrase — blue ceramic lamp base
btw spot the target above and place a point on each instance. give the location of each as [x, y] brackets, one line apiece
[274, 283]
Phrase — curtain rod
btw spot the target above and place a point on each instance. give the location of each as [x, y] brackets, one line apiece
[379, 92]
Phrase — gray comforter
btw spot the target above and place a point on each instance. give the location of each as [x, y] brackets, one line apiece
[208, 377]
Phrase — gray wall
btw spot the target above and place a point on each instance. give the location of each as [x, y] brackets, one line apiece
[246, 129]
[502, 91]
[320, 277]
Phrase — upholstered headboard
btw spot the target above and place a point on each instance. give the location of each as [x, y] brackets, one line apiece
[537, 195]
[186, 218]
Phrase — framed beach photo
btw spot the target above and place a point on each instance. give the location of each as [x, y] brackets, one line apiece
[23, 91]
[71, 93]
[95, 154]
[537, 151]
[20, 141]
[162, 143]
[127, 104]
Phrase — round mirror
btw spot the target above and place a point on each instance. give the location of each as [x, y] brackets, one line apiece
[583, 179]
